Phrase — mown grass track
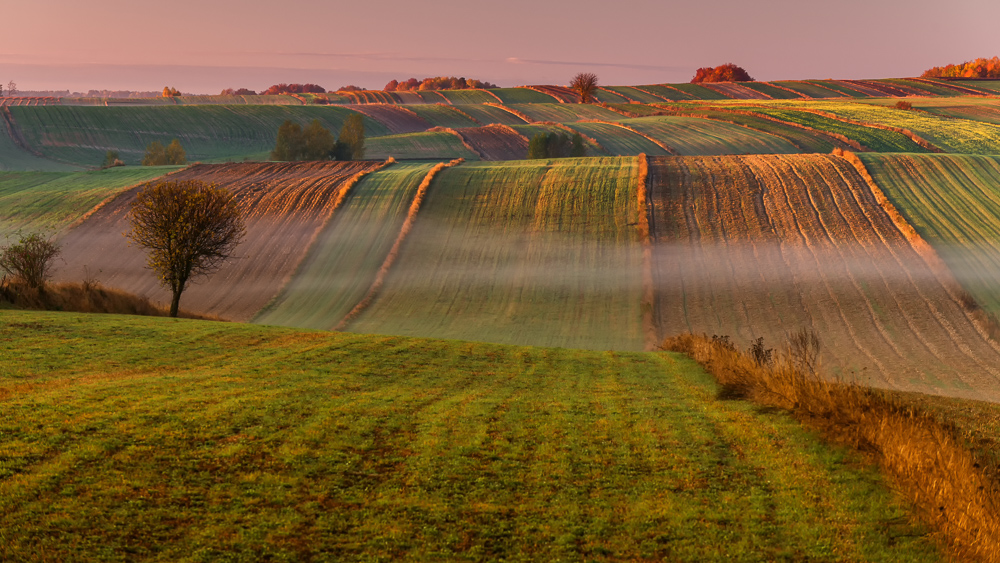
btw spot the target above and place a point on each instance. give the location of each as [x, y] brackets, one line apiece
[760, 246]
[133, 439]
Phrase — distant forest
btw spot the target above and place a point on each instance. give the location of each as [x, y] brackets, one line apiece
[979, 68]
[437, 83]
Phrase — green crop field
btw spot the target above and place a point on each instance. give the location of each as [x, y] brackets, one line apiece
[523, 96]
[272, 444]
[879, 140]
[536, 252]
[468, 96]
[51, 201]
[807, 141]
[771, 90]
[342, 262]
[565, 113]
[954, 203]
[694, 136]
[809, 89]
[530, 131]
[635, 94]
[667, 92]
[486, 115]
[951, 135]
[699, 92]
[607, 96]
[428, 145]
[13, 158]
[832, 85]
[440, 115]
[619, 141]
[209, 133]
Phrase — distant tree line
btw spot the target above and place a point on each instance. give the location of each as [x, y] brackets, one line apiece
[722, 73]
[556, 145]
[294, 89]
[169, 92]
[979, 68]
[238, 92]
[436, 83]
[315, 142]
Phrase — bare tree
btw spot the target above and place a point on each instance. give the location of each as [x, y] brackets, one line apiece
[584, 83]
[11, 88]
[29, 260]
[189, 228]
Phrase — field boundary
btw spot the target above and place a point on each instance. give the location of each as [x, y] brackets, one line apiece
[670, 150]
[906, 132]
[523, 116]
[390, 259]
[838, 136]
[462, 113]
[648, 301]
[100, 205]
[462, 138]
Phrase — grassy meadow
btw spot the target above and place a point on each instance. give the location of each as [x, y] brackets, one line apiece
[132, 439]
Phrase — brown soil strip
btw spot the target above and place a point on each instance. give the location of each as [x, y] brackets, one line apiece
[562, 94]
[390, 259]
[457, 110]
[495, 142]
[789, 90]
[461, 138]
[397, 118]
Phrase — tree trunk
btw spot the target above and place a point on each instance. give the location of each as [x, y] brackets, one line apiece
[175, 303]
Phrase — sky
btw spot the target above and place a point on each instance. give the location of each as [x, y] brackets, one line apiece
[203, 46]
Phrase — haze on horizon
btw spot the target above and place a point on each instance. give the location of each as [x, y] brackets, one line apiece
[203, 46]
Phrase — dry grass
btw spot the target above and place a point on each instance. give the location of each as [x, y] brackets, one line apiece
[84, 297]
[649, 329]
[925, 458]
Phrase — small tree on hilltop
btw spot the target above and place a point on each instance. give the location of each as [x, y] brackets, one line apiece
[111, 160]
[29, 260]
[288, 145]
[317, 141]
[584, 83]
[189, 229]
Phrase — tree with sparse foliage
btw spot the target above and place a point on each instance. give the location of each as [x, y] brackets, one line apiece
[351, 142]
[189, 229]
[29, 260]
[584, 83]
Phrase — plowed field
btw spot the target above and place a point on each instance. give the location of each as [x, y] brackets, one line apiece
[537, 252]
[286, 205]
[496, 142]
[397, 119]
[764, 245]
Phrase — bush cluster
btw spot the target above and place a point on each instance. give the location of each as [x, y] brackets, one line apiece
[158, 155]
[315, 142]
[722, 73]
[238, 92]
[294, 89]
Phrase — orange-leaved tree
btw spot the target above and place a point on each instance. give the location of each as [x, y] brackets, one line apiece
[189, 229]
[722, 73]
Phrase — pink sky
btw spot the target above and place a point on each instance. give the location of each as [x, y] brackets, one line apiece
[203, 46]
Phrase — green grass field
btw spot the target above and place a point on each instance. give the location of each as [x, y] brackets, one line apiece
[486, 115]
[466, 97]
[771, 90]
[144, 439]
[14, 158]
[953, 201]
[523, 96]
[523, 252]
[51, 201]
[617, 140]
[342, 263]
[530, 131]
[428, 145]
[635, 94]
[209, 133]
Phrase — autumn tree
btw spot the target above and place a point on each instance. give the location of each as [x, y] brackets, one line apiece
[722, 73]
[169, 92]
[111, 160]
[156, 154]
[30, 259]
[176, 153]
[584, 83]
[189, 229]
[315, 142]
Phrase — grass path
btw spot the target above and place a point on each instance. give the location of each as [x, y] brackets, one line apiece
[139, 439]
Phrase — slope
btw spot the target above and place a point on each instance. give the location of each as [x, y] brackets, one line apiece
[531, 252]
[761, 246]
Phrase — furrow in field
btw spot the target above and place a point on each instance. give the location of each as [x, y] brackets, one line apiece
[286, 205]
[540, 252]
[396, 118]
[820, 253]
[496, 142]
[736, 91]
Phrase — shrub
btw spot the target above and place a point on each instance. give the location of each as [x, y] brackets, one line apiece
[29, 260]
[903, 105]
[158, 155]
[555, 145]
[111, 160]
[315, 142]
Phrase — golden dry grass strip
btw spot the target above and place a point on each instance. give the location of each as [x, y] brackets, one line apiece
[462, 113]
[947, 484]
[411, 217]
[85, 297]
[906, 132]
